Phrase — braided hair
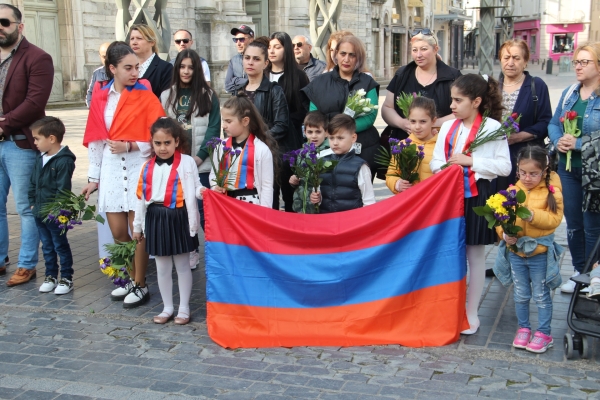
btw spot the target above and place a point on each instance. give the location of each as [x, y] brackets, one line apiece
[540, 156]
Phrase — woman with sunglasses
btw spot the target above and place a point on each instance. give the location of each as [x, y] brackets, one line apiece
[284, 70]
[582, 210]
[329, 93]
[154, 69]
[427, 75]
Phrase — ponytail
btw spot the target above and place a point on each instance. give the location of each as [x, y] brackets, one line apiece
[551, 199]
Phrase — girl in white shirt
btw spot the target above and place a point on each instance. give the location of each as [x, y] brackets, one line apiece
[251, 174]
[473, 95]
[167, 214]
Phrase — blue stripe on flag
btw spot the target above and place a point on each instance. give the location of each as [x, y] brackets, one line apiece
[238, 275]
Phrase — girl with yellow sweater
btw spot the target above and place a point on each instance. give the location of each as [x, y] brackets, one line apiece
[535, 264]
[422, 116]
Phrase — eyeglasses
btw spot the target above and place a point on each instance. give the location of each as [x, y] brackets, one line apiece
[238, 39]
[5, 22]
[584, 63]
[178, 41]
[534, 175]
[423, 31]
[298, 45]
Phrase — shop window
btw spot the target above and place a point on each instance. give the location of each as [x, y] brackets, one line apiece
[396, 49]
[563, 43]
[532, 43]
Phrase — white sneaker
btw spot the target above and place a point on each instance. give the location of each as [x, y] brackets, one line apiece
[48, 285]
[64, 286]
[119, 293]
[138, 296]
[569, 286]
[194, 258]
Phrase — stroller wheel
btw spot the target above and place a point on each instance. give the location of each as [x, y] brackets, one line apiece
[585, 351]
[568, 345]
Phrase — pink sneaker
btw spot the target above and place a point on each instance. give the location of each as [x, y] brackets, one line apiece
[522, 338]
[540, 343]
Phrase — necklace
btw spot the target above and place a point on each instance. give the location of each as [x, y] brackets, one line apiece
[430, 79]
[516, 83]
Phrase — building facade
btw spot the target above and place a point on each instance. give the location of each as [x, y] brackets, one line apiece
[449, 26]
[72, 30]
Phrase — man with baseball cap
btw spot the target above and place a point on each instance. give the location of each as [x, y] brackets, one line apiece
[236, 78]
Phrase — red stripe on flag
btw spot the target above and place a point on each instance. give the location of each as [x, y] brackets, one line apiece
[395, 320]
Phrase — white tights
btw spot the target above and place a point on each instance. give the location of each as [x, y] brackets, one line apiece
[164, 271]
[476, 259]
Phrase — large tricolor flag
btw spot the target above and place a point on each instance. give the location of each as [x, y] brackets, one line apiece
[390, 273]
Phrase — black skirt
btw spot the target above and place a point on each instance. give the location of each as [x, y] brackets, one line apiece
[168, 231]
[477, 231]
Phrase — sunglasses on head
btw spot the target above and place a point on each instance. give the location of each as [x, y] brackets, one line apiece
[178, 41]
[424, 31]
[238, 39]
[298, 45]
[5, 22]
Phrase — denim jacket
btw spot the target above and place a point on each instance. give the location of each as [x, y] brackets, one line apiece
[591, 119]
[527, 245]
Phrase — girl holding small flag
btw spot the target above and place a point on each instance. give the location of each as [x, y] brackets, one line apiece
[250, 176]
[472, 96]
[167, 214]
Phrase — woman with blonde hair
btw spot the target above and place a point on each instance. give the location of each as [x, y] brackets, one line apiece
[582, 210]
[334, 39]
[158, 72]
[329, 93]
[427, 75]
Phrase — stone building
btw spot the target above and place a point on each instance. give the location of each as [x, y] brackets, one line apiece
[72, 30]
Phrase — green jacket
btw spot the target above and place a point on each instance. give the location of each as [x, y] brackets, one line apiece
[299, 194]
[47, 181]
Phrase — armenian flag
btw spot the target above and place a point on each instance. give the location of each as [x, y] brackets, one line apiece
[389, 273]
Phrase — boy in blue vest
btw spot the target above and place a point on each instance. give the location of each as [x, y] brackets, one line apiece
[349, 185]
[52, 173]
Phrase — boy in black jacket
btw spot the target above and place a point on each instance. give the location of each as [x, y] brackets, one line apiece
[52, 173]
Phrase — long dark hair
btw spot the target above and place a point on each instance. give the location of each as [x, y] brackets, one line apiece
[290, 81]
[115, 52]
[175, 129]
[201, 97]
[475, 85]
[540, 156]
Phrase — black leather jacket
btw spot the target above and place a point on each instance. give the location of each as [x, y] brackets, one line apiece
[269, 99]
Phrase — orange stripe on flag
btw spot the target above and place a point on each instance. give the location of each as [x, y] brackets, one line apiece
[434, 316]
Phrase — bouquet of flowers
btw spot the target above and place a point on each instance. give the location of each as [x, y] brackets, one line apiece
[307, 166]
[68, 210]
[404, 100]
[503, 208]
[118, 266]
[569, 122]
[226, 157]
[358, 106]
[509, 126]
[403, 155]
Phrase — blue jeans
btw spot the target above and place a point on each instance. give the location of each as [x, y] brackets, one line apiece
[527, 273]
[583, 228]
[16, 166]
[53, 244]
[205, 181]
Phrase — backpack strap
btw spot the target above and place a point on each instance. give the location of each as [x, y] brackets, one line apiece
[535, 99]
[569, 93]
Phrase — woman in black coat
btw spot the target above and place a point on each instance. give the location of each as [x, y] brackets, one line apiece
[154, 69]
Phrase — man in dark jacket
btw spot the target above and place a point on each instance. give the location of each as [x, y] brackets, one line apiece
[302, 52]
[26, 76]
[98, 75]
[236, 77]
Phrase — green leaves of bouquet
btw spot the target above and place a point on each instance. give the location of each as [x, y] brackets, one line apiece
[68, 210]
[403, 155]
[118, 266]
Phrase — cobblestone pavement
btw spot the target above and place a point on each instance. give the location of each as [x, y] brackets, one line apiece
[83, 346]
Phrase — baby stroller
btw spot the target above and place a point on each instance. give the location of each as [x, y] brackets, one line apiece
[583, 317]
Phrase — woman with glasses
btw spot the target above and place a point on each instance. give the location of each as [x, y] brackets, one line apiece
[329, 93]
[426, 75]
[525, 95]
[154, 69]
[581, 212]
[284, 70]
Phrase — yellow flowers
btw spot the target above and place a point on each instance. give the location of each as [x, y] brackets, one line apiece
[110, 271]
[495, 202]
[62, 219]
